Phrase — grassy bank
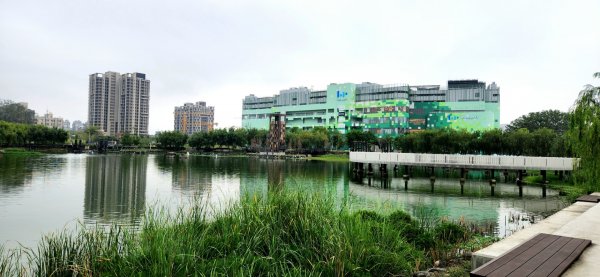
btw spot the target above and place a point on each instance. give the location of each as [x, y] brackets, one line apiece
[331, 158]
[19, 152]
[284, 234]
[565, 187]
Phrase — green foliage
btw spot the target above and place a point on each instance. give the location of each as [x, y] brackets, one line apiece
[357, 135]
[400, 217]
[256, 138]
[130, 140]
[316, 139]
[19, 152]
[552, 119]
[16, 134]
[449, 232]
[14, 112]
[541, 142]
[331, 158]
[369, 215]
[222, 137]
[92, 132]
[336, 139]
[584, 136]
[283, 234]
[171, 140]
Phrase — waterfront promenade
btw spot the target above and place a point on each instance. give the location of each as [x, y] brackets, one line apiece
[579, 220]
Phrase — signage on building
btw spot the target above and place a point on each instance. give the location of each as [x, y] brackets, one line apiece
[341, 95]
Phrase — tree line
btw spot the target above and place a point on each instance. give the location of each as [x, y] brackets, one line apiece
[15, 112]
[542, 142]
[522, 142]
[17, 134]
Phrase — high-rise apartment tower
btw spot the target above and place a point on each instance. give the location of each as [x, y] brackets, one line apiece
[119, 103]
[191, 118]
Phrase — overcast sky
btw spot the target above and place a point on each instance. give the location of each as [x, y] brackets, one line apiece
[540, 53]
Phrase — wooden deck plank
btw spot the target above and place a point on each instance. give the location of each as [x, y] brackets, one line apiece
[492, 265]
[588, 198]
[522, 258]
[561, 263]
[540, 257]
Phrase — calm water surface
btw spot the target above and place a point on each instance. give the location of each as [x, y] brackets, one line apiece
[39, 195]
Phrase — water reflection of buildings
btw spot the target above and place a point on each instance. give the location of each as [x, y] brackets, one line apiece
[193, 176]
[505, 213]
[115, 188]
[275, 176]
[264, 176]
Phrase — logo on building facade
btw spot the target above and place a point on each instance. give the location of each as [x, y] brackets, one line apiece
[341, 94]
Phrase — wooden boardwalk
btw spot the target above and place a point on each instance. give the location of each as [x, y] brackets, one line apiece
[542, 255]
[588, 198]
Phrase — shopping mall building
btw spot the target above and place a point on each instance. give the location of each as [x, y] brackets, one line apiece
[381, 109]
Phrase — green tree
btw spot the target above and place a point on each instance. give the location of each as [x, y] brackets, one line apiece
[336, 139]
[171, 140]
[130, 140]
[518, 142]
[491, 142]
[356, 135]
[17, 113]
[584, 136]
[552, 119]
[542, 140]
[91, 133]
[202, 140]
[256, 138]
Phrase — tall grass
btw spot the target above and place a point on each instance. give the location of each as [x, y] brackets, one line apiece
[282, 234]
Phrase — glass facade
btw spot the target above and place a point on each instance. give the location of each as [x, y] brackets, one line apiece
[386, 110]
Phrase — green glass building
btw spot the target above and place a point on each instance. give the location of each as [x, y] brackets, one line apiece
[382, 109]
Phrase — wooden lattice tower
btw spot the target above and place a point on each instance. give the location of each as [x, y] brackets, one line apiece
[276, 138]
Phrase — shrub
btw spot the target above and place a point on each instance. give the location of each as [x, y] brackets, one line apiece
[449, 232]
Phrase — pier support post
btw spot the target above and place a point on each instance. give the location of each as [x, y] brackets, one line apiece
[544, 182]
[505, 176]
[544, 174]
[561, 175]
[492, 181]
[520, 182]
[462, 180]
[406, 178]
[361, 170]
[462, 186]
[492, 186]
[369, 173]
[544, 186]
[432, 178]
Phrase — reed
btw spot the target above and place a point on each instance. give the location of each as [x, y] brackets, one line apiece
[281, 234]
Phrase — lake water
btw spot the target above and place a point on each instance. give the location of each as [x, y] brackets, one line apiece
[39, 195]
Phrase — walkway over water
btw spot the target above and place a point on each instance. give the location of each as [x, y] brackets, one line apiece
[465, 161]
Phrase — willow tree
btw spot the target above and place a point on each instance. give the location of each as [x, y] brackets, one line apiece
[584, 133]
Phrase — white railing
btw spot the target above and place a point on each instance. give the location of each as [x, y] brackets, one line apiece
[467, 161]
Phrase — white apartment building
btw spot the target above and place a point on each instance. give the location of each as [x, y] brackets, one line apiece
[49, 120]
[119, 103]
